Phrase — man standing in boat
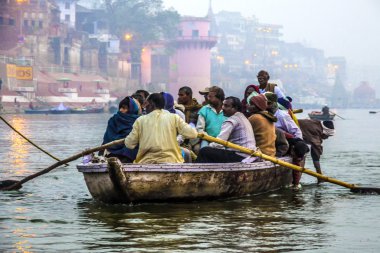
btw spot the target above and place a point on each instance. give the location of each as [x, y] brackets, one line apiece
[156, 133]
[314, 132]
[235, 129]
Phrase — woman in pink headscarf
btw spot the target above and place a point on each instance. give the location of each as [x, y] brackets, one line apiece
[248, 91]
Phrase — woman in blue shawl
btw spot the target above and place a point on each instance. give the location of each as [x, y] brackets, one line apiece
[119, 126]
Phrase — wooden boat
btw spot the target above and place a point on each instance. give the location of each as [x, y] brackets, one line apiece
[320, 116]
[179, 182]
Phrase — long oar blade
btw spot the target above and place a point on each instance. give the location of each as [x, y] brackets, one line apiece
[353, 187]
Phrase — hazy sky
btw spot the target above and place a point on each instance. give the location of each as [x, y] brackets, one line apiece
[349, 28]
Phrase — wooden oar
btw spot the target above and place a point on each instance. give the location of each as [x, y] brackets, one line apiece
[297, 110]
[7, 185]
[352, 187]
[28, 140]
[333, 113]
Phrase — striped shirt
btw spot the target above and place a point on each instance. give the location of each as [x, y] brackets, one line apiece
[238, 130]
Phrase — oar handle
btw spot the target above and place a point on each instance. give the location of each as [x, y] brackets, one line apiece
[297, 110]
[274, 160]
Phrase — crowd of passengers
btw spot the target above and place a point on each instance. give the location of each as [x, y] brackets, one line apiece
[159, 130]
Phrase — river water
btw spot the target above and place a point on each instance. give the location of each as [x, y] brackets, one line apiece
[55, 212]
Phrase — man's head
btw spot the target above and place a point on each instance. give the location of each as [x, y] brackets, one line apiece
[215, 96]
[154, 101]
[257, 104]
[272, 102]
[185, 95]
[129, 106]
[231, 105]
[143, 93]
[263, 77]
[328, 129]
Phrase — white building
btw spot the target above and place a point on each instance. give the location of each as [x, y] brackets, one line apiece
[68, 9]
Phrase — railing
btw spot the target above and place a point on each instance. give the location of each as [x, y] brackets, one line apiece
[23, 89]
[197, 38]
[67, 90]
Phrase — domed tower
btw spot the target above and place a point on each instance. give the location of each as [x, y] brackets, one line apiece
[191, 62]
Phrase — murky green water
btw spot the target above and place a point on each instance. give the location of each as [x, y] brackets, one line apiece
[55, 213]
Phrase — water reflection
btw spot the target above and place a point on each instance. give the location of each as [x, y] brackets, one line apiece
[18, 149]
[276, 221]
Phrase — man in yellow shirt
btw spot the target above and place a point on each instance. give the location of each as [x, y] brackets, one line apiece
[156, 133]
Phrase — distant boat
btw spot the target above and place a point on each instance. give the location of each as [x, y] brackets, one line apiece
[37, 111]
[320, 116]
[373, 112]
[60, 109]
[83, 110]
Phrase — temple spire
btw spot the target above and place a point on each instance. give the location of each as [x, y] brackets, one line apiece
[210, 13]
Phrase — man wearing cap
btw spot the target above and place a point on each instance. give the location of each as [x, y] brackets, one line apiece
[262, 124]
[235, 129]
[314, 132]
[204, 93]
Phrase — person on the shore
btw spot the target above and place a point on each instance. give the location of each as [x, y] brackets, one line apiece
[156, 133]
[314, 132]
[262, 124]
[119, 126]
[211, 116]
[235, 129]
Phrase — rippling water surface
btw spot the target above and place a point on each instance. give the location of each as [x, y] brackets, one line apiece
[55, 213]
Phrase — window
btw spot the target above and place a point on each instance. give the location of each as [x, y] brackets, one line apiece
[33, 23]
[67, 17]
[195, 33]
[40, 24]
[67, 5]
[26, 23]
[1, 20]
[11, 21]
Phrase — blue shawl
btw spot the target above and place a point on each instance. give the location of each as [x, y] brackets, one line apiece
[119, 126]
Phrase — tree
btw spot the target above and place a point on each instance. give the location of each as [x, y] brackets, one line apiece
[147, 20]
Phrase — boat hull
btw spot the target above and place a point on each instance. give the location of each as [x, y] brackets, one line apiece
[183, 182]
[321, 117]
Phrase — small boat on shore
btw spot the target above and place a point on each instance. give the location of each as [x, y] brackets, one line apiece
[320, 116]
[133, 183]
[37, 111]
